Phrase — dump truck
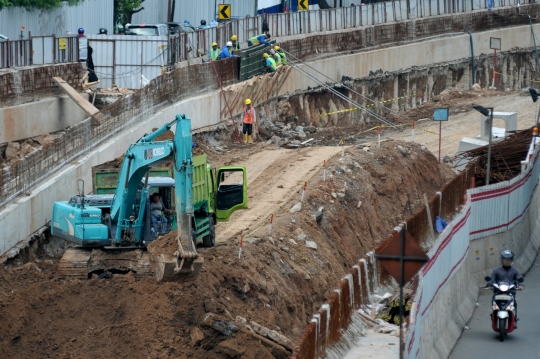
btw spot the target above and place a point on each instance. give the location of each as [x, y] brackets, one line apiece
[120, 224]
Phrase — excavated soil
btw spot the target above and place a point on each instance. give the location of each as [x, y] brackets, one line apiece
[278, 282]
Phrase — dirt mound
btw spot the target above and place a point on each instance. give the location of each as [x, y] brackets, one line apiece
[278, 282]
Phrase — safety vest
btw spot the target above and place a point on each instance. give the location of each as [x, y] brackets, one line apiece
[255, 40]
[283, 57]
[278, 59]
[273, 65]
[214, 54]
[236, 46]
[248, 117]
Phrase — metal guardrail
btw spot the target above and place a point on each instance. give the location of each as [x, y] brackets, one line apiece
[189, 45]
[39, 50]
[185, 46]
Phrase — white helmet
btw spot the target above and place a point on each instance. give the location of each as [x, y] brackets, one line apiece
[228, 43]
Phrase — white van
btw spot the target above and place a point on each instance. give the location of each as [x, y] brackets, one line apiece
[147, 29]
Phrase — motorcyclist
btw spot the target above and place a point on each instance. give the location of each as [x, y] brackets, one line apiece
[507, 274]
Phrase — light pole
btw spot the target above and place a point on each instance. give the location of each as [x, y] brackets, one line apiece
[534, 96]
[488, 112]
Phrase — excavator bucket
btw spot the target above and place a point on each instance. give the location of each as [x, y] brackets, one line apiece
[169, 269]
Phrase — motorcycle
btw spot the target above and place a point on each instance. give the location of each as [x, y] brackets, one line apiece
[504, 311]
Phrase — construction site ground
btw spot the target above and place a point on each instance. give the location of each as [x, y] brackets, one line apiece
[281, 278]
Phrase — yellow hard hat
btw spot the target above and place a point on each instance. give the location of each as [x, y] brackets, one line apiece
[214, 44]
[248, 101]
[265, 55]
[276, 47]
[234, 38]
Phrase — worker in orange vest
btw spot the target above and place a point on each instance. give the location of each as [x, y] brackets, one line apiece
[249, 120]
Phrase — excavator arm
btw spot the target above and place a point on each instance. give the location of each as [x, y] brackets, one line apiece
[139, 158]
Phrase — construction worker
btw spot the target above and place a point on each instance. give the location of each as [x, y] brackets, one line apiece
[259, 39]
[270, 63]
[281, 54]
[227, 51]
[235, 44]
[156, 208]
[276, 57]
[214, 52]
[250, 118]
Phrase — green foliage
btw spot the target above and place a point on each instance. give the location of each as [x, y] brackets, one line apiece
[37, 4]
[124, 9]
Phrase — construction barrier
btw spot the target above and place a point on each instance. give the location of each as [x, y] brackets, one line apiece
[252, 62]
[367, 274]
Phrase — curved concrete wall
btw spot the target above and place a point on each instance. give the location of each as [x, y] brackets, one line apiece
[22, 218]
[460, 260]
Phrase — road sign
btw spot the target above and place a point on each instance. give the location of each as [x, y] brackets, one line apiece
[302, 4]
[224, 11]
[62, 43]
[495, 43]
[392, 252]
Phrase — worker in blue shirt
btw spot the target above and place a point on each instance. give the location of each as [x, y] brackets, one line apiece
[270, 64]
[227, 51]
[259, 39]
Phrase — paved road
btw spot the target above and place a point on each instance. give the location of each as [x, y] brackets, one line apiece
[480, 341]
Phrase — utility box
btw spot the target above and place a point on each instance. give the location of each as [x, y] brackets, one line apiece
[510, 119]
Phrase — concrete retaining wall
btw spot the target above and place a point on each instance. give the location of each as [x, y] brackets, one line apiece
[33, 119]
[450, 282]
[22, 218]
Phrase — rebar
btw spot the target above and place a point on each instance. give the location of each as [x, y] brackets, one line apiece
[506, 157]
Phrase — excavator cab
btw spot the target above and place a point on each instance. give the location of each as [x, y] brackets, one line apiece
[164, 186]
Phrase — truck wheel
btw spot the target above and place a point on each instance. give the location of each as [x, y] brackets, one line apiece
[210, 239]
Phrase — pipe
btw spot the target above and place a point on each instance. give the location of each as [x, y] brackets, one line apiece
[534, 41]
[472, 57]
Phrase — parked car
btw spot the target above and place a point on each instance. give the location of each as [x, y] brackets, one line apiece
[147, 29]
[3, 38]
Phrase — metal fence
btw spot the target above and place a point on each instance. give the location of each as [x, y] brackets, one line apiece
[123, 60]
[39, 50]
[184, 46]
[189, 45]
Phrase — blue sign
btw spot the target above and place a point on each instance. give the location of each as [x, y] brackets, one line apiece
[440, 114]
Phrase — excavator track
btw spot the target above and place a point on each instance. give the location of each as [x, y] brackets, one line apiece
[80, 263]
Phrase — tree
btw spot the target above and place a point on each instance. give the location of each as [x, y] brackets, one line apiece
[37, 4]
[124, 10]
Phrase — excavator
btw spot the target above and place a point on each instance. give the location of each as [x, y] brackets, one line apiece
[112, 231]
